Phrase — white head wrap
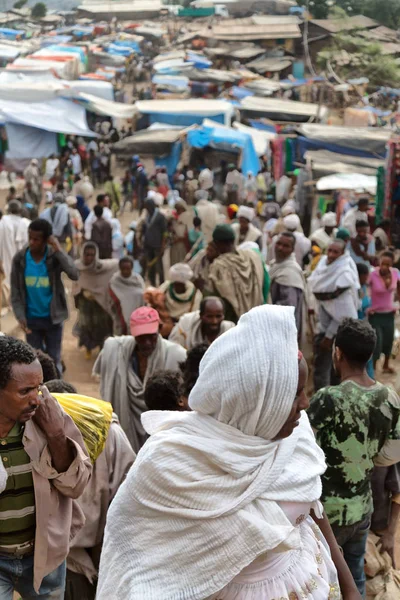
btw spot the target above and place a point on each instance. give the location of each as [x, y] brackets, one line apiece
[329, 219]
[246, 212]
[181, 272]
[288, 208]
[158, 199]
[213, 478]
[248, 246]
[151, 195]
[291, 222]
[71, 200]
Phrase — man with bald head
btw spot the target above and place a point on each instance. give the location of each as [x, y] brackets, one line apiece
[201, 326]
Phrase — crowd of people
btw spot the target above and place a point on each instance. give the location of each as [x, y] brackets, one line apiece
[199, 320]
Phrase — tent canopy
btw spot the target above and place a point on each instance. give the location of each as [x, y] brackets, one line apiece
[226, 138]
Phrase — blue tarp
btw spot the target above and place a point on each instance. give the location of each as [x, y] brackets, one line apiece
[182, 120]
[128, 44]
[222, 136]
[171, 161]
[56, 39]
[240, 92]
[262, 126]
[12, 33]
[82, 31]
[74, 49]
[120, 50]
[304, 144]
[298, 82]
[200, 62]
[177, 82]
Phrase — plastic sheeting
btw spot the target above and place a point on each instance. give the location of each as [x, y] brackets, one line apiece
[261, 139]
[29, 142]
[223, 137]
[59, 116]
[348, 181]
[357, 141]
[171, 161]
[193, 111]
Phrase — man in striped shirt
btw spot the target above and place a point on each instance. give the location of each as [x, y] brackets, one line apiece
[47, 467]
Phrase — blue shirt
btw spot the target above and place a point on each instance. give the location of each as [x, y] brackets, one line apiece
[38, 289]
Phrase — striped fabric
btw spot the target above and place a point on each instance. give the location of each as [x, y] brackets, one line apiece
[17, 501]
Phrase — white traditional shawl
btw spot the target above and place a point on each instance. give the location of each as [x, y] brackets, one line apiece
[201, 501]
[120, 385]
[342, 273]
[287, 272]
[187, 332]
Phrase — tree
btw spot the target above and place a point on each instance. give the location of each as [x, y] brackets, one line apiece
[39, 10]
[386, 12]
[352, 56]
[20, 3]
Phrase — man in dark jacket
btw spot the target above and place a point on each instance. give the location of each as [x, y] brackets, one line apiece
[154, 237]
[37, 292]
[102, 233]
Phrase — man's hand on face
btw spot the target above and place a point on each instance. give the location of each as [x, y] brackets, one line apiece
[48, 416]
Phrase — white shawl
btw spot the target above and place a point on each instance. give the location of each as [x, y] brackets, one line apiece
[201, 501]
[342, 273]
[120, 385]
[187, 332]
[287, 272]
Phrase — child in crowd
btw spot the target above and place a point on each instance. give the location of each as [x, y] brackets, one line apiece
[365, 303]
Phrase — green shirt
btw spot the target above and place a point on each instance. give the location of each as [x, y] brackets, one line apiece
[352, 423]
[17, 501]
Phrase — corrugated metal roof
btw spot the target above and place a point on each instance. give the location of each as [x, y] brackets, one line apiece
[348, 24]
[269, 64]
[381, 33]
[248, 52]
[390, 48]
[255, 32]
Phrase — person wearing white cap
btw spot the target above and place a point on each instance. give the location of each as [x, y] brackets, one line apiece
[303, 244]
[327, 233]
[181, 295]
[357, 213]
[245, 230]
[32, 174]
[208, 213]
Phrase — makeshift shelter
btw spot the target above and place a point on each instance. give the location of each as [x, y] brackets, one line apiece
[185, 112]
[282, 110]
[225, 138]
[348, 181]
[356, 141]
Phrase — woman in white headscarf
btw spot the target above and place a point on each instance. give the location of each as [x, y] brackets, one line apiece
[250, 189]
[181, 224]
[181, 295]
[218, 502]
[117, 239]
[244, 229]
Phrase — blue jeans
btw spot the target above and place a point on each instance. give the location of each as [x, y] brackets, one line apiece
[16, 574]
[353, 540]
[47, 337]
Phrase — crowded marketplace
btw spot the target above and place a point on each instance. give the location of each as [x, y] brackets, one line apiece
[200, 301]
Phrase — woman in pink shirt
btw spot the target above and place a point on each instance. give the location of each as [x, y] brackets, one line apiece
[383, 281]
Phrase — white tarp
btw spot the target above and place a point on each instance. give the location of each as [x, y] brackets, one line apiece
[288, 107]
[25, 88]
[117, 110]
[28, 142]
[59, 115]
[261, 139]
[348, 181]
[65, 70]
[204, 108]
